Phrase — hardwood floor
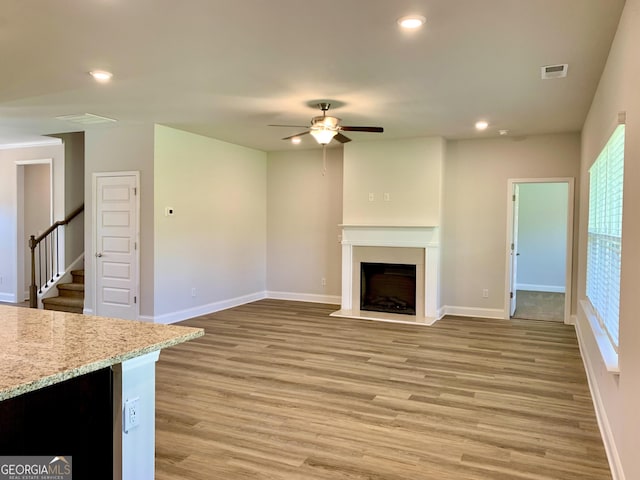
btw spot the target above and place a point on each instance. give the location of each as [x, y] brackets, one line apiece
[280, 390]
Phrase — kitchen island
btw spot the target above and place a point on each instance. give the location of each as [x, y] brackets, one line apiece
[84, 385]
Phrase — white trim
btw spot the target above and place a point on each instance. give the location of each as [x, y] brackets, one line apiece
[606, 433]
[135, 362]
[540, 288]
[607, 352]
[87, 311]
[570, 181]
[494, 313]
[188, 313]
[36, 143]
[8, 297]
[304, 297]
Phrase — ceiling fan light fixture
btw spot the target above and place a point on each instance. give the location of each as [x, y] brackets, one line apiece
[296, 140]
[411, 22]
[323, 135]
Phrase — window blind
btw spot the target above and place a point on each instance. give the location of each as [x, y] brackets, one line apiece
[604, 241]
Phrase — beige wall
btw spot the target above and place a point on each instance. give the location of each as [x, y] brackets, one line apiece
[304, 211]
[409, 170]
[10, 250]
[475, 209]
[216, 240]
[618, 397]
[73, 192]
[113, 149]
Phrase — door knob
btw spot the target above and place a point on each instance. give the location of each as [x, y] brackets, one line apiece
[98, 254]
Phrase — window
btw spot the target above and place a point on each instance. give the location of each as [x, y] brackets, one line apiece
[605, 234]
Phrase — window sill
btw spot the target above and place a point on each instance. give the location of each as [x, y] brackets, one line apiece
[608, 353]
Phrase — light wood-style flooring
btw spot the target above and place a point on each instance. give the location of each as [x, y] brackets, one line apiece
[279, 390]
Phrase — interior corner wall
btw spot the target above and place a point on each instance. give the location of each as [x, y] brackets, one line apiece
[74, 192]
[474, 234]
[118, 148]
[409, 171]
[304, 211]
[214, 244]
[617, 396]
[10, 291]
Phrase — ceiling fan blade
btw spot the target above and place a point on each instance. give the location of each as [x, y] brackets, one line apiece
[362, 129]
[296, 135]
[295, 126]
[341, 138]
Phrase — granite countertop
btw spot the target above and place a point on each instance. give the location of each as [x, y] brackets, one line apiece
[39, 348]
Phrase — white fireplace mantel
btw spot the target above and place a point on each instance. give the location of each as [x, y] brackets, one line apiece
[425, 238]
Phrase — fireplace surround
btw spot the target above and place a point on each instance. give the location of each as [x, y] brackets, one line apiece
[400, 245]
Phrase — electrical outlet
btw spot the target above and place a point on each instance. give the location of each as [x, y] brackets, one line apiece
[131, 414]
[323, 282]
[372, 197]
[387, 197]
[485, 293]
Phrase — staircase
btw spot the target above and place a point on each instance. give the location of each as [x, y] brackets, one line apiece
[71, 295]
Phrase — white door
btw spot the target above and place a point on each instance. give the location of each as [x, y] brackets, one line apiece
[116, 256]
[514, 250]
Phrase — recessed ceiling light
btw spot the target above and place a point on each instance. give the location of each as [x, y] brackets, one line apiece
[296, 140]
[412, 22]
[482, 125]
[101, 75]
[503, 132]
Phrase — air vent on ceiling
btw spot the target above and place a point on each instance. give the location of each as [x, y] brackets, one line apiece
[554, 71]
[86, 119]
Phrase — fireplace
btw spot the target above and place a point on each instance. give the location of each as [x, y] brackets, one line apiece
[404, 258]
[388, 287]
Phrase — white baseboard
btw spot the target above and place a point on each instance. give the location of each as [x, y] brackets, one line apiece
[496, 313]
[615, 464]
[540, 288]
[305, 297]
[87, 311]
[205, 309]
[8, 297]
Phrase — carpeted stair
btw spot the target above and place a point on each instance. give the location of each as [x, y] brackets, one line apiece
[71, 295]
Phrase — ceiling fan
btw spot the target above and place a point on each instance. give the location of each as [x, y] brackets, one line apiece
[325, 128]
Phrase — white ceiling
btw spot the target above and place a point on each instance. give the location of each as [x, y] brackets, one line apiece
[228, 68]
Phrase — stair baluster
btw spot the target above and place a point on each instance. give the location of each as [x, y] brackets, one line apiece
[47, 237]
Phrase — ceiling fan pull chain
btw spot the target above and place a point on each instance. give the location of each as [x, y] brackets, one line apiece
[324, 160]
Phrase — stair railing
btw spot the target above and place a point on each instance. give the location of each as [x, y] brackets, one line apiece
[49, 239]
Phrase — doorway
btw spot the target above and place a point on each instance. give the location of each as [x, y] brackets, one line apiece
[35, 215]
[539, 253]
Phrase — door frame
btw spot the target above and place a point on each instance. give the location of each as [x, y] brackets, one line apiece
[511, 182]
[94, 237]
[21, 247]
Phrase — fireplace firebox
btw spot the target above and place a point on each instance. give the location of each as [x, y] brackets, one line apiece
[388, 287]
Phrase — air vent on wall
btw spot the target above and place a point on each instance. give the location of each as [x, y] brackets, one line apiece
[554, 71]
[86, 119]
